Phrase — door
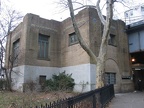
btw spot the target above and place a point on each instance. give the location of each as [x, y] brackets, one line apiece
[138, 79]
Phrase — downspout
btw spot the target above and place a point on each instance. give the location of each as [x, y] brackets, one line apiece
[9, 50]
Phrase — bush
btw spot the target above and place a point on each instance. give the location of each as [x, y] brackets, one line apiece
[3, 84]
[29, 86]
[62, 81]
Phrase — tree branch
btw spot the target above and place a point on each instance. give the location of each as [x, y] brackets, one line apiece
[99, 13]
[106, 27]
[80, 39]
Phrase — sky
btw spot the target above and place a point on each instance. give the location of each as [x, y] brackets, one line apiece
[49, 9]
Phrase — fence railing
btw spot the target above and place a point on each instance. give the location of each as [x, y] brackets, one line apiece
[94, 99]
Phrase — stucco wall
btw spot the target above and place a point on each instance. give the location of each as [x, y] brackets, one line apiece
[18, 78]
[83, 75]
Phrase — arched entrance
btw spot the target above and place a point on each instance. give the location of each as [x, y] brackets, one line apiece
[112, 70]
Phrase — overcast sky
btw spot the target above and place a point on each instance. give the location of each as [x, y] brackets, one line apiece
[49, 9]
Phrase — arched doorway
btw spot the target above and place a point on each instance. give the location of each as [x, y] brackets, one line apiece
[112, 73]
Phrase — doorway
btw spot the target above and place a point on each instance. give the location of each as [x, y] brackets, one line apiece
[138, 78]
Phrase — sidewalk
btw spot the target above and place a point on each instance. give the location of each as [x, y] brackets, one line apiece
[127, 100]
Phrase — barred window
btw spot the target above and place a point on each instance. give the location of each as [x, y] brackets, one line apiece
[43, 42]
[73, 39]
[110, 78]
[42, 79]
[112, 40]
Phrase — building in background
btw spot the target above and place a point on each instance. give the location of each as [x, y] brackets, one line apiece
[46, 47]
[135, 14]
[135, 31]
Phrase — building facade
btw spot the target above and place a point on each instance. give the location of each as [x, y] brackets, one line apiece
[46, 47]
[134, 14]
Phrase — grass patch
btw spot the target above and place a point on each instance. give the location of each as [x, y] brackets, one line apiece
[27, 100]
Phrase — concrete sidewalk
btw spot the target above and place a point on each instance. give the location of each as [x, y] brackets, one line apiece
[127, 100]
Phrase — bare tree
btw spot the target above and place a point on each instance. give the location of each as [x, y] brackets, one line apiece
[101, 58]
[9, 19]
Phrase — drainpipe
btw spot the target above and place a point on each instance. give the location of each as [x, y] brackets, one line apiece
[9, 50]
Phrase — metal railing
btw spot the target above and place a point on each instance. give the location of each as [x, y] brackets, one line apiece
[93, 99]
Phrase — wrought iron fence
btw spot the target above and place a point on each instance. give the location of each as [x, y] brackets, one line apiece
[94, 99]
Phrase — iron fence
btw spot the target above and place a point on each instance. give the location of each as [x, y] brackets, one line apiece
[94, 99]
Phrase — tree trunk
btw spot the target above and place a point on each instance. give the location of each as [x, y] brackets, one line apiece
[100, 73]
[100, 60]
[8, 80]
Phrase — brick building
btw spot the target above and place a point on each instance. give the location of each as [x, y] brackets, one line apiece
[45, 47]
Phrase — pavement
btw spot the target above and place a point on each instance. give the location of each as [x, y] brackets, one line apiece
[127, 100]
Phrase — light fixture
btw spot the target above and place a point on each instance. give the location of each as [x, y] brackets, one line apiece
[133, 60]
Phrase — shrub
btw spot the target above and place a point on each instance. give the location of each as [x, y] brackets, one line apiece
[29, 86]
[62, 81]
[3, 84]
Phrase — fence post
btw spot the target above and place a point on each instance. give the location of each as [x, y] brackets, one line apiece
[70, 102]
[94, 101]
[101, 98]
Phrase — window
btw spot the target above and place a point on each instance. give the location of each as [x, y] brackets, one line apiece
[15, 52]
[42, 79]
[112, 40]
[110, 78]
[142, 8]
[131, 13]
[126, 15]
[43, 42]
[73, 39]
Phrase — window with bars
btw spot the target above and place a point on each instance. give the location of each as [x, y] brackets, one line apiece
[42, 79]
[43, 42]
[110, 78]
[73, 39]
[15, 52]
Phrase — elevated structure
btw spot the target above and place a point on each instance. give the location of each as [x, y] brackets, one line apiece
[135, 33]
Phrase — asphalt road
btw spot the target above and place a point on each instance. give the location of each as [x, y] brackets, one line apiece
[128, 100]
